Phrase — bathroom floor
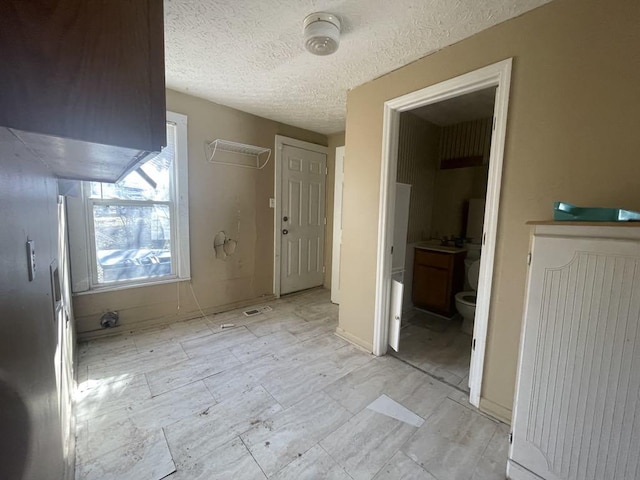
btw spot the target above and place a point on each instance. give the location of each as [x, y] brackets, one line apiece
[437, 346]
[277, 396]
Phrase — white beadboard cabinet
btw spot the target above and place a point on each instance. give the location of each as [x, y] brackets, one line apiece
[577, 405]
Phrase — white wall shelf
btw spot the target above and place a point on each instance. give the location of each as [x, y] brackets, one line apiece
[224, 152]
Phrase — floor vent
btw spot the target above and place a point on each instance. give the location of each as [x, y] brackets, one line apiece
[257, 311]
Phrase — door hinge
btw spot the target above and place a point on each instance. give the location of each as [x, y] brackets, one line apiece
[484, 238]
[391, 249]
[325, 220]
[510, 438]
[326, 170]
[324, 269]
[529, 258]
[473, 347]
[494, 123]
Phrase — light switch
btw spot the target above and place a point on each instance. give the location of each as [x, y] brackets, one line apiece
[31, 259]
[272, 203]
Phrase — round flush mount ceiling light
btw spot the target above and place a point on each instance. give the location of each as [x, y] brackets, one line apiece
[321, 33]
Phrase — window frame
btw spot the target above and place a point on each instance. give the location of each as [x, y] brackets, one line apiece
[82, 227]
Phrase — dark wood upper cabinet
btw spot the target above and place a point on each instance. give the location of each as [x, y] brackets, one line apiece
[84, 71]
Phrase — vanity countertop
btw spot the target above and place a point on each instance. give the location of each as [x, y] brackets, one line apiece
[440, 248]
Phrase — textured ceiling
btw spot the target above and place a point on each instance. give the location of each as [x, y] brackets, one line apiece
[249, 55]
[464, 108]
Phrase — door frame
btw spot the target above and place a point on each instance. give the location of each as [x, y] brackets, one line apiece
[338, 185]
[280, 142]
[495, 75]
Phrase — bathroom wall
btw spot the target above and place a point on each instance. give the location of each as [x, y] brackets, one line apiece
[453, 187]
[461, 144]
[466, 141]
[418, 147]
[221, 197]
[439, 194]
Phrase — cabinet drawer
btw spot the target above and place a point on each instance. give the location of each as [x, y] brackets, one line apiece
[433, 259]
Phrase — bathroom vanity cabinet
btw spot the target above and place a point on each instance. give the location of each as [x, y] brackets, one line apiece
[438, 274]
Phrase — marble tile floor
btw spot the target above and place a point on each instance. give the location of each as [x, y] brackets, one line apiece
[440, 348]
[276, 396]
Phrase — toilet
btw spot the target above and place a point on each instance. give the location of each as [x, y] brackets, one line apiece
[466, 301]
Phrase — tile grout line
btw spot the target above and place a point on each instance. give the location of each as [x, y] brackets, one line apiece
[300, 455]
[166, 441]
[476, 410]
[413, 435]
[186, 385]
[234, 356]
[481, 456]
[274, 398]
[439, 379]
[254, 458]
[334, 460]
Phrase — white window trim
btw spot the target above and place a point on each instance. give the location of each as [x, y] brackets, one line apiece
[80, 229]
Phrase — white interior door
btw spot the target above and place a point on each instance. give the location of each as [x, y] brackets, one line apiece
[395, 310]
[303, 219]
[337, 226]
[400, 229]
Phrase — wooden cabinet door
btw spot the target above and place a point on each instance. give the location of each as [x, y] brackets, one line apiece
[431, 288]
[436, 278]
[90, 70]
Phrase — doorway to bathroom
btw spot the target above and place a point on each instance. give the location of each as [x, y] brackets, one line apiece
[443, 160]
[440, 189]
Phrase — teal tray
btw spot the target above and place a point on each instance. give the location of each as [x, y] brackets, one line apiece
[563, 212]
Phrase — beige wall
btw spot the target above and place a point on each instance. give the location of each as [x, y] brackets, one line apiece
[571, 135]
[335, 140]
[232, 199]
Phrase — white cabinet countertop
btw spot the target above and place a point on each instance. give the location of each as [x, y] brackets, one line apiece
[440, 248]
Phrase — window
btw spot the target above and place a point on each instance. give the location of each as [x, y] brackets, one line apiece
[136, 231]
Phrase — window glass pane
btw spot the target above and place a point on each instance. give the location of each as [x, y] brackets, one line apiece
[152, 181]
[132, 241]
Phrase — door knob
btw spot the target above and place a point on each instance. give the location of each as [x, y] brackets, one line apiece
[285, 231]
[285, 219]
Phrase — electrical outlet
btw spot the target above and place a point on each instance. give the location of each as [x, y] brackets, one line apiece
[31, 259]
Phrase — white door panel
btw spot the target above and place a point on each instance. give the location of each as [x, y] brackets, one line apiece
[400, 228]
[395, 312]
[302, 224]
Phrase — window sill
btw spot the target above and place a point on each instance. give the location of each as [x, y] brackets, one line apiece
[115, 288]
